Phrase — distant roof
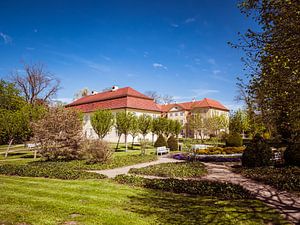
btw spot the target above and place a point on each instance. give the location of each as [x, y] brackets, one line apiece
[204, 103]
[116, 99]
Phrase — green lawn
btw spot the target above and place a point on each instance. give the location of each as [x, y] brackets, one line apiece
[50, 201]
[180, 169]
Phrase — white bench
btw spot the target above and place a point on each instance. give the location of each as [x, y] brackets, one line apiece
[32, 145]
[162, 150]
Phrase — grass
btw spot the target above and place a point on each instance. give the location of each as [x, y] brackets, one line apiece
[180, 169]
[282, 178]
[50, 201]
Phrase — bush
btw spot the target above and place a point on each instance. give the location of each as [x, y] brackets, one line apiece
[59, 134]
[234, 140]
[196, 187]
[292, 154]
[97, 151]
[257, 154]
[161, 141]
[172, 143]
[48, 170]
[219, 150]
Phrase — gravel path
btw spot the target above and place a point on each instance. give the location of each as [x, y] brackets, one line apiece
[112, 173]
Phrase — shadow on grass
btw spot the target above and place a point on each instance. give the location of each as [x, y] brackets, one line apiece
[169, 208]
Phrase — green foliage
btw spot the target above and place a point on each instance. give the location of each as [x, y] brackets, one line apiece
[219, 150]
[102, 122]
[273, 56]
[195, 187]
[10, 98]
[239, 122]
[172, 143]
[144, 124]
[196, 124]
[53, 170]
[160, 126]
[257, 154]
[160, 142]
[176, 127]
[97, 151]
[234, 140]
[283, 178]
[180, 169]
[292, 154]
[124, 124]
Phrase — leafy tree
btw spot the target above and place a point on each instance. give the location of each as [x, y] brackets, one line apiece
[134, 131]
[37, 84]
[144, 124]
[273, 62]
[160, 126]
[10, 98]
[59, 134]
[172, 143]
[160, 142]
[196, 124]
[239, 122]
[102, 122]
[123, 125]
[215, 123]
[176, 128]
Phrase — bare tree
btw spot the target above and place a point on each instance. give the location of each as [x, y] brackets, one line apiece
[154, 95]
[37, 84]
[167, 99]
[82, 93]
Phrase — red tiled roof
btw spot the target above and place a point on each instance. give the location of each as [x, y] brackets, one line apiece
[205, 103]
[118, 99]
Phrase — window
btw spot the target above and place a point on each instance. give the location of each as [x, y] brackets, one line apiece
[181, 113]
[176, 114]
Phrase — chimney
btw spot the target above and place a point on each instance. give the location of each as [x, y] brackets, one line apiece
[94, 92]
[193, 100]
[114, 88]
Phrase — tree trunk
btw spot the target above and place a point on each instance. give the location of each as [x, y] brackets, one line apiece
[8, 147]
[144, 146]
[35, 151]
[133, 137]
[118, 142]
[126, 147]
[153, 138]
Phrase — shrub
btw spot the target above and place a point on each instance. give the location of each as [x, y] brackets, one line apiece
[257, 154]
[59, 133]
[234, 140]
[196, 187]
[97, 151]
[48, 170]
[292, 154]
[161, 141]
[172, 143]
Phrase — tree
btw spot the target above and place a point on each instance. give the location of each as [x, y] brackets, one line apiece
[154, 95]
[37, 84]
[134, 131]
[167, 99]
[196, 124]
[14, 125]
[82, 93]
[145, 124]
[102, 122]
[10, 98]
[59, 134]
[239, 122]
[123, 125]
[273, 61]
[160, 125]
[176, 128]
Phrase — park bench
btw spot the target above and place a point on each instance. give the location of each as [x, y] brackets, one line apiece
[162, 149]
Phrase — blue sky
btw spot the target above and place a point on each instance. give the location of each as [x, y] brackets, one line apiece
[172, 47]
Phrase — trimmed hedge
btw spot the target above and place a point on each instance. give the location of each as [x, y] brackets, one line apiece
[234, 140]
[172, 143]
[47, 170]
[219, 150]
[292, 154]
[257, 154]
[283, 178]
[195, 187]
[160, 142]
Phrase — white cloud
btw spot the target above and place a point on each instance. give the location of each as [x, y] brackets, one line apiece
[159, 66]
[6, 38]
[35, 30]
[190, 20]
[215, 72]
[211, 61]
[30, 48]
[174, 25]
[234, 105]
[204, 92]
[105, 57]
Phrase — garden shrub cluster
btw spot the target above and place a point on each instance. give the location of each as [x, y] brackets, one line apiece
[282, 178]
[257, 154]
[234, 140]
[179, 169]
[97, 151]
[53, 170]
[292, 154]
[219, 150]
[194, 187]
[160, 142]
[181, 156]
[172, 143]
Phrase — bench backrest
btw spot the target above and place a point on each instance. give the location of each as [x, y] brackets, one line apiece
[162, 149]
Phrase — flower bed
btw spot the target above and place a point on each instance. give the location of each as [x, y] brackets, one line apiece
[211, 158]
[219, 150]
[196, 187]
